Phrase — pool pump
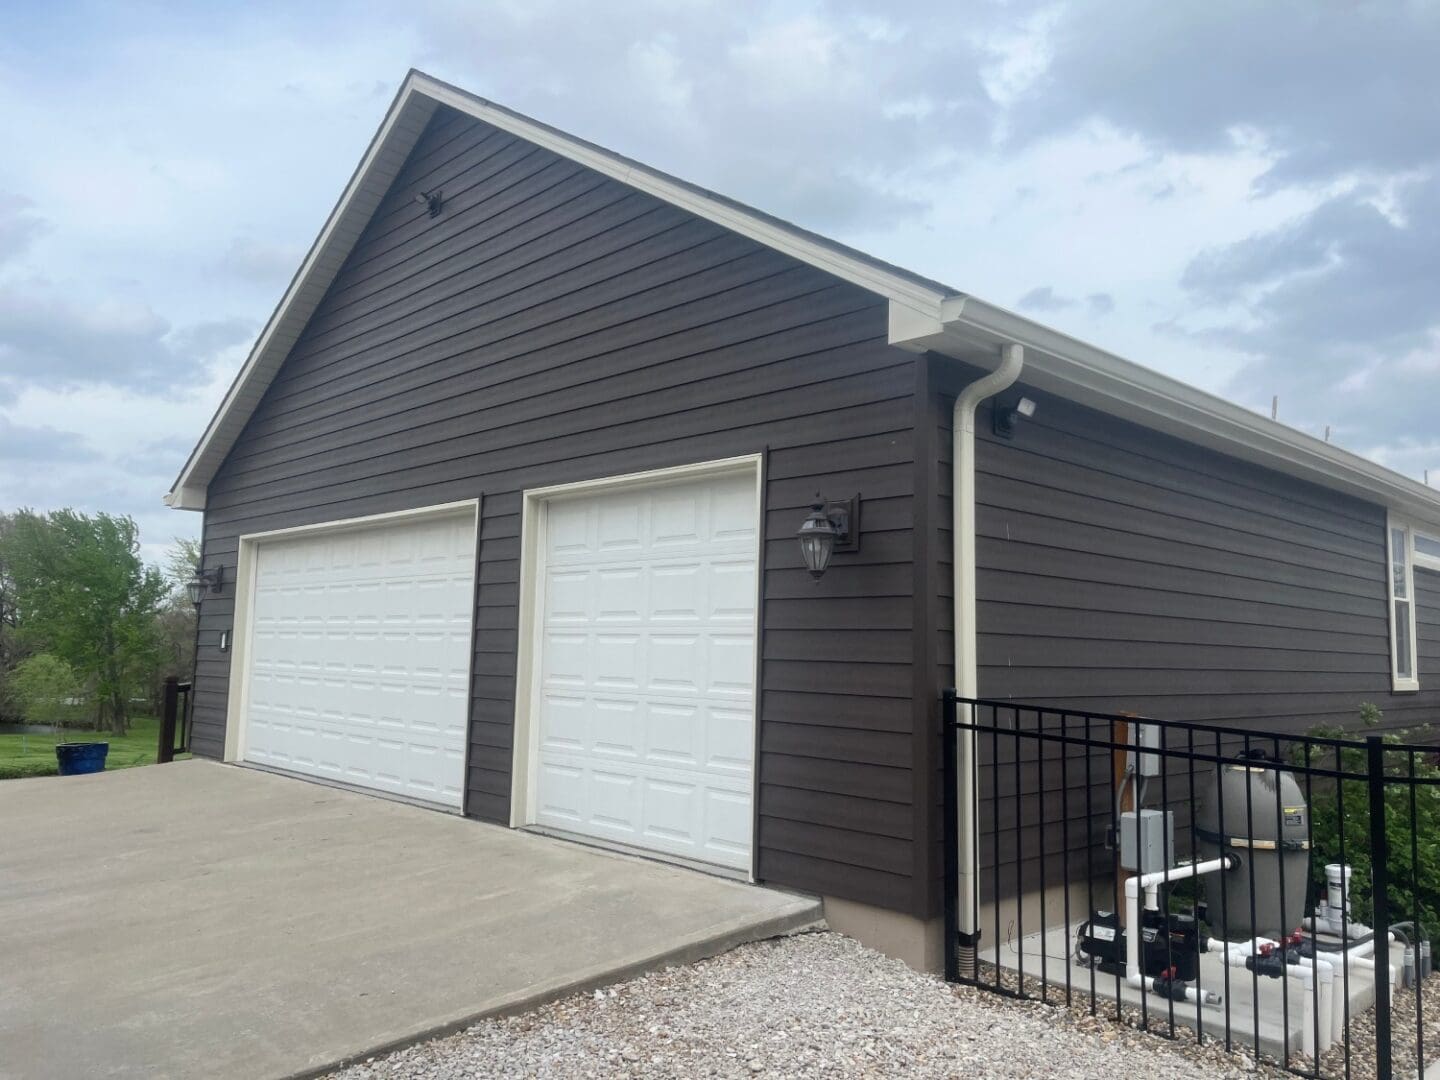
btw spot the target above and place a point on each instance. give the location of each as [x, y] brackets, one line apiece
[1250, 866]
[1169, 944]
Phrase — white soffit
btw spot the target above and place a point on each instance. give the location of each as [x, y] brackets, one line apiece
[973, 330]
[924, 314]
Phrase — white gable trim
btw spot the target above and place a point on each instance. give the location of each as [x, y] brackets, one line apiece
[825, 256]
[923, 315]
[413, 106]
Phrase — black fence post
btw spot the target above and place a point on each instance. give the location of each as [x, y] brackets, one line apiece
[166, 750]
[949, 741]
[1380, 890]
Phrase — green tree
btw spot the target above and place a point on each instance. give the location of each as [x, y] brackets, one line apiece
[175, 619]
[83, 594]
[181, 561]
[9, 638]
[44, 686]
[1412, 821]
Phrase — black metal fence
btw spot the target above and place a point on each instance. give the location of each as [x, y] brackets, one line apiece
[1269, 891]
[174, 721]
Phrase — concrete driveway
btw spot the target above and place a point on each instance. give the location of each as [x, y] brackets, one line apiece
[197, 919]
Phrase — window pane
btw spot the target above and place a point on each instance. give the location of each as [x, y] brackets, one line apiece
[1427, 545]
[1397, 563]
[1403, 666]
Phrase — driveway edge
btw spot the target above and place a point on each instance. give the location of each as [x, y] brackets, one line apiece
[710, 942]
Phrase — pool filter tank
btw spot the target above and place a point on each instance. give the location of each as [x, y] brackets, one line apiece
[1270, 842]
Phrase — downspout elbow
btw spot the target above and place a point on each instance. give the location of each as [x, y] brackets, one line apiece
[1012, 359]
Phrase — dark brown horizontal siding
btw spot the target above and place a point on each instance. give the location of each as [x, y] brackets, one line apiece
[1121, 570]
[553, 326]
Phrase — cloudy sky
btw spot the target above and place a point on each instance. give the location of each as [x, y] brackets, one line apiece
[1246, 196]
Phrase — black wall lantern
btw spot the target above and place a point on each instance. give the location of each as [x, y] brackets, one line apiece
[204, 581]
[432, 201]
[1007, 416]
[832, 526]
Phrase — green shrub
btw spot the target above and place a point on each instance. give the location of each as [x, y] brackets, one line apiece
[45, 688]
[19, 770]
[1414, 852]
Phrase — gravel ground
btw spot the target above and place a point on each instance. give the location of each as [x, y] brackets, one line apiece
[807, 1006]
[1403, 1041]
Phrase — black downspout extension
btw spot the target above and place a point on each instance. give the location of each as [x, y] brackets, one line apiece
[1380, 901]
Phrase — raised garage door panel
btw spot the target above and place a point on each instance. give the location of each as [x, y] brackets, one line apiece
[647, 672]
[359, 656]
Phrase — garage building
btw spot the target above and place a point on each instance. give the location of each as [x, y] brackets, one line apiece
[501, 517]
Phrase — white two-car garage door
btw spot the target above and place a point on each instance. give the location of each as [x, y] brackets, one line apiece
[359, 655]
[646, 676]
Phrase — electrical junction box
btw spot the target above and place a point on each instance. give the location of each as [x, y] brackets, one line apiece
[1145, 736]
[1147, 840]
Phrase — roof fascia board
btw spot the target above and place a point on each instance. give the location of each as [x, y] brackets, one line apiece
[973, 331]
[893, 287]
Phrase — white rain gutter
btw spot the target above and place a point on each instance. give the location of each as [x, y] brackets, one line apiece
[967, 679]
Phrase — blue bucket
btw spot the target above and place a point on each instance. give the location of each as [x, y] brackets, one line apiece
[81, 757]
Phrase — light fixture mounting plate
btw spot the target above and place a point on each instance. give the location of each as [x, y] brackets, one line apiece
[845, 515]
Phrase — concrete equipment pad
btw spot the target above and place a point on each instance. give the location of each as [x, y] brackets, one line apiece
[204, 920]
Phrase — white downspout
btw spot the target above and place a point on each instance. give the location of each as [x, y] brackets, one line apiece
[967, 679]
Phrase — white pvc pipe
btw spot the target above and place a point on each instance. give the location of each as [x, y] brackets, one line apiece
[1365, 958]
[1179, 873]
[967, 679]
[1152, 881]
[1325, 1006]
[1327, 920]
[1337, 887]
[1200, 997]
[1317, 1007]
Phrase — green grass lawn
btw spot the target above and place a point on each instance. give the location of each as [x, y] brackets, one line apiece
[34, 755]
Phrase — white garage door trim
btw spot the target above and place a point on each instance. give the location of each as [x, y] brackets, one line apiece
[237, 706]
[534, 518]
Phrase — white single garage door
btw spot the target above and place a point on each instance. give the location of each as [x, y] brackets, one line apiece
[646, 712]
[359, 656]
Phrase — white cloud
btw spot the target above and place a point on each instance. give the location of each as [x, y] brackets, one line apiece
[166, 172]
[265, 263]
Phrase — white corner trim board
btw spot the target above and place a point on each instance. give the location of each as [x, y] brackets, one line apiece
[353, 651]
[637, 674]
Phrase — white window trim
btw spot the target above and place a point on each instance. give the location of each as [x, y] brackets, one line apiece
[1422, 560]
[1401, 683]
